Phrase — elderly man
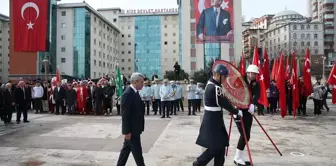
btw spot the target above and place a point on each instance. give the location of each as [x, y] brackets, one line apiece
[8, 103]
[133, 121]
[165, 94]
[21, 101]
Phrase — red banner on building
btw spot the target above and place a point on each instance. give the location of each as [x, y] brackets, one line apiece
[30, 25]
[214, 21]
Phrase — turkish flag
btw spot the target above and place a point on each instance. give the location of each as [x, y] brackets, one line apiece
[332, 76]
[306, 73]
[266, 71]
[287, 77]
[242, 67]
[334, 95]
[281, 87]
[275, 69]
[30, 25]
[263, 95]
[295, 83]
[255, 56]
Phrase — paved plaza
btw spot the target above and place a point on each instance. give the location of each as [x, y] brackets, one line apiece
[92, 140]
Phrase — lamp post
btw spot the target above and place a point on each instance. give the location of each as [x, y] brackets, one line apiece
[323, 67]
[135, 57]
[46, 64]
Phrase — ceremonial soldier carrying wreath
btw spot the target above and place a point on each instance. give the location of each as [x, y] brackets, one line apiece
[213, 135]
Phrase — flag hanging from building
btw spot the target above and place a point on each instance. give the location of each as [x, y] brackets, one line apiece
[332, 76]
[30, 22]
[281, 87]
[294, 81]
[119, 82]
[306, 73]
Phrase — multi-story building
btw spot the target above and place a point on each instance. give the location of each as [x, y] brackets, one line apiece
[4, 47]
[262, 22]
[251, 38]
[290, 31]
[196, 56]
[149, 39]
[87, 43]
[324, 11]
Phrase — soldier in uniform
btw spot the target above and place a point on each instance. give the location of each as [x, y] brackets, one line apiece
[213, 135]
[254, 87]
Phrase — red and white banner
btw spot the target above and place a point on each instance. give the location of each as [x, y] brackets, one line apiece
[30, 19]
[214, 21]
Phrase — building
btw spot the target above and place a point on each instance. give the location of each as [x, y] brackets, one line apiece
[290, 31]
[149, 39]
[262, 22]
[4, 48]
[324, 11]
[196, 56]
[251, 38]
[87, 43]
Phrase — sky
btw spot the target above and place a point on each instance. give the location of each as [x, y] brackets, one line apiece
[251, 8]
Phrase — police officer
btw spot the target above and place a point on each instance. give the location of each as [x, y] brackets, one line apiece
[250, 79]
[213, 135]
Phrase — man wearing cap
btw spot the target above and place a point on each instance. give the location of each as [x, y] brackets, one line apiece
[173, 99]
[254, 87]
[165, 94]
[198, 96]
[179, 96]
[146, 95]
[213, 135]
[156, 97]
[191, 89]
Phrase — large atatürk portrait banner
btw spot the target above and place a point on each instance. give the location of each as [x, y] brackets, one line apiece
[214, 21]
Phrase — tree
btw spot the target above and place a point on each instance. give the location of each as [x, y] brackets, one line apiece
[201, 76]
[170, 75]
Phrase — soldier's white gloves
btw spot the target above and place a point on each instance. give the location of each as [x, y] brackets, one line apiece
[251, 109]
[240, 113]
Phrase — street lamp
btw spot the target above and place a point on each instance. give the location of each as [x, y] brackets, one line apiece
[46, 64]
[323, 63]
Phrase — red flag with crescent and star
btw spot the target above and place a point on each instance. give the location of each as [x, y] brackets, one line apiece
[306, 73]
[281, 86]
[30, 25]
[266, 71]
[295, 83]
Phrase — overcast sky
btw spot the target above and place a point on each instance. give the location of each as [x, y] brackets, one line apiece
[251, 8]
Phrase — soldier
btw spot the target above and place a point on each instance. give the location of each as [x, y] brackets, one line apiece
[254, 87]
[146, 95]
[213, 135]
[156, 97]
[191, 89]
[179, 96]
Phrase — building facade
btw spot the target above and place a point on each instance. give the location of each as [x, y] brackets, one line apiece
[149, 39]
[290, 31]
[251, 38]
[196, 56]
[87, 43]
[324, 11]
[4, 48]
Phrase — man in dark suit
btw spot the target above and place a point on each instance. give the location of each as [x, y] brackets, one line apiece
[60, 96]
[133, 121]
[214, 21]
[21, 101]
[8, 103]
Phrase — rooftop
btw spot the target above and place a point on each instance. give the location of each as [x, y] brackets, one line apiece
[286, 13]
[4, 17]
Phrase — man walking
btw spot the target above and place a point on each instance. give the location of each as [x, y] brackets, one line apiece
[133, 121]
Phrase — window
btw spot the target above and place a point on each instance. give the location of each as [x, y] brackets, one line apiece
[165, 34]
[129, 60]
[129, 27]
[129, 43]
[63, 25]
[94, 62]
[316, 43]
[122, 52]
[63, 37]
[122, 68]
[302, 51]
[165, 26]
[315, 27]
[136, 27]
[165, 43]
[174, 51]
[308, 27]
[63, 49]
[63, 13]
[285, 37]
[174, 34]
[302, 43]
[316, 51]
[122, 60]
[114, 20]
[308, 36]
[99, 65]
[302, 27]
[129, 68]
[129, 52]
[302, 36]
[129, 35]
[174, 42]
[295, 27]
[62, 60]
[308, 44]
[315, 36]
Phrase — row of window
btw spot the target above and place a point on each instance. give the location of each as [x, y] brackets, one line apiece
[295, 44]
[303, 36]
[147, 27]
[294, 28]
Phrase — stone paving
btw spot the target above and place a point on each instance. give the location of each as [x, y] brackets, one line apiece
[91, 140]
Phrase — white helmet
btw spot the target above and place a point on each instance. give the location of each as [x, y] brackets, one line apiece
[252, 69]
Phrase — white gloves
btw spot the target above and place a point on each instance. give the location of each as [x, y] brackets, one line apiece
[240, 113]
[251, 109]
